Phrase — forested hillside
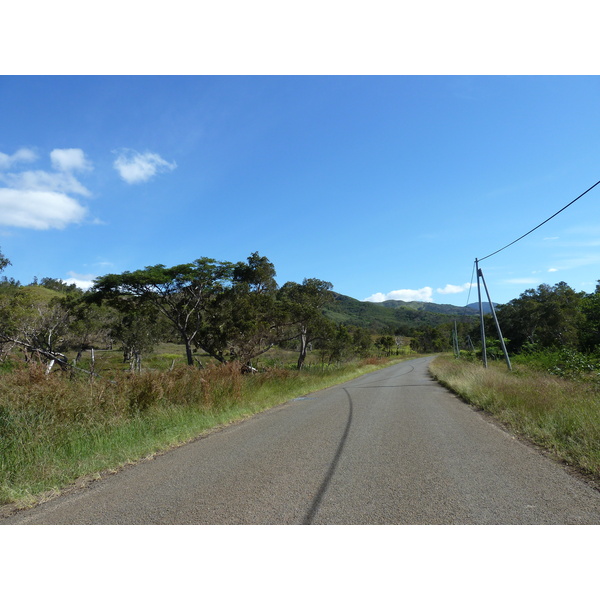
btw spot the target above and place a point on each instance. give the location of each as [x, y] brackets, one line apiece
[395, 316]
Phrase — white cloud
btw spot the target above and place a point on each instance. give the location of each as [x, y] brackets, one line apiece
[552, 270]
[138, 168]
[84, 282]
[42, 199]
[422, 295]
[38, 209]
[21, 155]
[45, 181]
[455, 289]
[69, 159]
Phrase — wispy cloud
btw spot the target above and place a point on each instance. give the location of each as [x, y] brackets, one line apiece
[577, 261]
[69, 159]
[103, 264]
[134, 167]
[42, 199]
[45, 181]
[21, 155]
[422, 295]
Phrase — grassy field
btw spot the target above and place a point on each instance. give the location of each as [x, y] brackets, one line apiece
[57, 428]
[170, 355]
[560, 415]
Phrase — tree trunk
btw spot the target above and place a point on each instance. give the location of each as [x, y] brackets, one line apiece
[303, 348]
[188, 353]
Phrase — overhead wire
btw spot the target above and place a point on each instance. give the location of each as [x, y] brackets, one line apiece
[543, 223]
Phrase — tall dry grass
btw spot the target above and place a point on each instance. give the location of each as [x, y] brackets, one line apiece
[562, 416]
[56, 428]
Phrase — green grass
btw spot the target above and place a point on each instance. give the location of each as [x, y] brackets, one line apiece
[560, 415]
[57, 429]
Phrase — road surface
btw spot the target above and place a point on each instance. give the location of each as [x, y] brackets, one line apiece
[391, 447]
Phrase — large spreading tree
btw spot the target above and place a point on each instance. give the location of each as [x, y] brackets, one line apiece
[180, 293]
[245, 319]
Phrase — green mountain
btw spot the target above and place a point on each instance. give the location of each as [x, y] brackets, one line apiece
[485, 305]
[396, 316]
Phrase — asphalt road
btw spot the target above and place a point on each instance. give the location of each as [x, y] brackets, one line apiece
[391, 447]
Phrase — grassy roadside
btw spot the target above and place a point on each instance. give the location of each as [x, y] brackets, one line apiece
[558, 415]
[57, 430]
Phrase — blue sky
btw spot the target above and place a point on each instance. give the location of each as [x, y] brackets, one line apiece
[386, 186]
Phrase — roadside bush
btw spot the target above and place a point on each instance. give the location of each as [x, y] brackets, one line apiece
[565, 362]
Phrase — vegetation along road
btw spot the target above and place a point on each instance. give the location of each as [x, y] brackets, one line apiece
[391, 447]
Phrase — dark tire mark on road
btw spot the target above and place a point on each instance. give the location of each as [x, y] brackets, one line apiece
[310, 515]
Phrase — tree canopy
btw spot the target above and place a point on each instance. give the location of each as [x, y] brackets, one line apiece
[181, 293]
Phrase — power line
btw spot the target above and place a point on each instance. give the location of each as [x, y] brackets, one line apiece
[543, 223]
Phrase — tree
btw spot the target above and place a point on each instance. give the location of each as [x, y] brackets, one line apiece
[430, 339]
[91, 325]
[12, 302]
[181, 293]
[245, 319]
[386, 343]
[549, 316]
[57, 285]
[4, 262]
[47, 326]
[304, 304]
[361, 339]
[36, 322]
[137, 328]
[30, 320]
[337, 345]
[589, 331]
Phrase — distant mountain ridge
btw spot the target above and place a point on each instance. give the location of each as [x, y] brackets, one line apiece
[485, 305]
[443, 309]
[398, 315]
